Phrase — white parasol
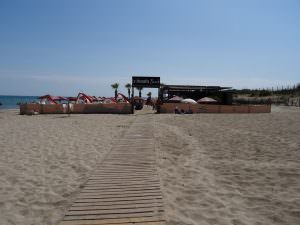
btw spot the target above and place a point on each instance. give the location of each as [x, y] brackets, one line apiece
[189, 100]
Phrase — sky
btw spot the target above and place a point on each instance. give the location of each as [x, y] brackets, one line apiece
[61, 47]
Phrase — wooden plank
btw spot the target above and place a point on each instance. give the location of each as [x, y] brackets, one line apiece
[129, 157]
[134, 145]
[118, 196]
[101, 195]
[133, 161]
[125, 173]
[133, 149]
[120, 186]
[158, 220]
[128, 199]
[121, 181]
[117, 206]
[112, 190]
[130, 166]
[99, 223]
[108, 164]
[125, 165]
[132, 202]
[125, 162]
[126, 176]
[123, 191]
[114, 216]
[143, 160]
[119, 193]
[93, 222]
[137, 153]
[137, 156]
[118, 211]
[122, 178]
[125, 158]
[114, 170]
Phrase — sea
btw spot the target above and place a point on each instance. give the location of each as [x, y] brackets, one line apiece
[11, 102]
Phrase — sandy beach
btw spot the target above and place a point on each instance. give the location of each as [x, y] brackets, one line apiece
[240, 169]
[46, 159]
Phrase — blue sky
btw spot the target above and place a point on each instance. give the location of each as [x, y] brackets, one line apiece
[62, 47]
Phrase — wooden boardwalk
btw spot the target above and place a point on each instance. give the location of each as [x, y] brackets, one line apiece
[125, 188]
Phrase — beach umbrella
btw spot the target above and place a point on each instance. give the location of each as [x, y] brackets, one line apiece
[72, 99]
[189, 100]
[49, 99]
[45, 96]
[207, 100]
[175, 99]
[60, 98]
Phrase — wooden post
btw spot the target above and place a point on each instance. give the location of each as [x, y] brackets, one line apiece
[69, 110]
[132, 99]
[159, 101]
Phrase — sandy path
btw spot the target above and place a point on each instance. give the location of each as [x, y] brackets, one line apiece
[45, 159]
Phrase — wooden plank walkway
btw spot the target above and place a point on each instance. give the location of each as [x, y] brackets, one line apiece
[125, 188]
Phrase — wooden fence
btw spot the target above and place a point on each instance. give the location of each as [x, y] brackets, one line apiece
[206, 108]
[119, 108]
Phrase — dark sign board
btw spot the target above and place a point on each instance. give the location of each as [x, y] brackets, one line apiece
[150, 82]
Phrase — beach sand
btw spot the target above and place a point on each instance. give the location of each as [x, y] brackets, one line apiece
[230, 169]
[235, 169]
[45, 160]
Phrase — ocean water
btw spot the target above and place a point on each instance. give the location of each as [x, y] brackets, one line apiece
[10, 102]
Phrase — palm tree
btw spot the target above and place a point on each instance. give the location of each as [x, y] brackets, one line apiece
[140, 91]
[149, 94]
[128, 86]
[115, 86]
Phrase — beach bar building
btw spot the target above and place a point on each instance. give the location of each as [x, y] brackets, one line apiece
[223, 95]
[203, 99]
